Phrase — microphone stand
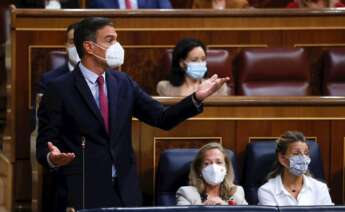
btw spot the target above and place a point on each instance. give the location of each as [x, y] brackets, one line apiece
[83, 144]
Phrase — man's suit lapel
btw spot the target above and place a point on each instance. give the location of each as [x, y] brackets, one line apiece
[116, 4]
[85, 92]
[113, 91]
[141, 3]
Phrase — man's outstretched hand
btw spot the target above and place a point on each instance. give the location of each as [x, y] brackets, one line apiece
[58, 158]
[209, 86]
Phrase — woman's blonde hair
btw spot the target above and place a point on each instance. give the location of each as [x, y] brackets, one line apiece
[227, 187]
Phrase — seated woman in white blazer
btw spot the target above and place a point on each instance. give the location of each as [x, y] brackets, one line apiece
[211, 180]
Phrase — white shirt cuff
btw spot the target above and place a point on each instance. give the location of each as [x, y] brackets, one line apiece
[51, 164]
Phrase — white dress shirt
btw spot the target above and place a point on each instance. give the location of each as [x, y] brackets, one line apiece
[91, 80]
[313, 192]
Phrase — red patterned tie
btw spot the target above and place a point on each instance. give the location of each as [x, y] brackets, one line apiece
[103, 102]
[128, 4]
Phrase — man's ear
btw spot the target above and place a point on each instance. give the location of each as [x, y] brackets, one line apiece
[88, 47]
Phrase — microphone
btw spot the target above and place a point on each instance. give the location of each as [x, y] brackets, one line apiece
[83, 144]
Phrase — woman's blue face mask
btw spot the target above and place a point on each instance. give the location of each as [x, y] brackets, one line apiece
[196, 70]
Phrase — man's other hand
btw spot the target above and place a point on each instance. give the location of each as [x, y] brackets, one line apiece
[209, 86]
[58, 158]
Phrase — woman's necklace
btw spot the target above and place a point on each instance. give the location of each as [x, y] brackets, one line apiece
[294, 189]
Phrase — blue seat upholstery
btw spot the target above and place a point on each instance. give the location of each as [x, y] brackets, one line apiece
[172, 173]
[260, 158]
[189, 209]
[312, 208]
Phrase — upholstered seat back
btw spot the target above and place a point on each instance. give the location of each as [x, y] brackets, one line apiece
[324, 208]
[334, 73]
[172, 173]
[260, 157]
[273, 72]
[203, 208]
[218, 62]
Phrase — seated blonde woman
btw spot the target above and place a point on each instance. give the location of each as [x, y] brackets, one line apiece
[290, 183]
[219, 4]
[211, 180]
[188, 70]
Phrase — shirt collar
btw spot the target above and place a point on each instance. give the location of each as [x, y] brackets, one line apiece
[280, 189]
[307, 183]
[89, 75]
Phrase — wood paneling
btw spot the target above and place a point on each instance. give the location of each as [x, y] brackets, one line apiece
[337, 157]
[6, 178]
[189, 134]
[238, 119]
[145, 35]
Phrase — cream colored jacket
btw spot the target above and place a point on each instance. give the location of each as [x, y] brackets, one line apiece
[189, 195]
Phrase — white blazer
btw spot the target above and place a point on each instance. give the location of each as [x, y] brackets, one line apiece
[189, 195]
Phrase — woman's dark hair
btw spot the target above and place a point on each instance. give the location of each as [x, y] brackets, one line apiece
[181, 50]
[71, 26]
[86, 30]
[283, 143]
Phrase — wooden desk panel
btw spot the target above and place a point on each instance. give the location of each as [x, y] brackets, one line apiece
[234, 121]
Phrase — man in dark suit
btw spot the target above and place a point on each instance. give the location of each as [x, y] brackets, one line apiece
[131, 4]
[73, 59]
[85, 121]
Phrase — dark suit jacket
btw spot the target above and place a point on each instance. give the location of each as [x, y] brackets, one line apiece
[51, 75]
[142, 4]
[68, 113]
[57, 195]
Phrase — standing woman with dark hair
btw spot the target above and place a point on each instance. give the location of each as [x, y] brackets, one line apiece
[290, 182]
[188, 70]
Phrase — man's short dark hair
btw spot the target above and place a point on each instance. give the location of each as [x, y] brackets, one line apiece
[86, 31]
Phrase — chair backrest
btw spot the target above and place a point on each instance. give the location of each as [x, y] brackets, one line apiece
[172, 173]
[57, 59]
[269, 3]
[203, 208]
[218, 62]
[328, 208]
[260, 157]
[334, 72]
[273, 72]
